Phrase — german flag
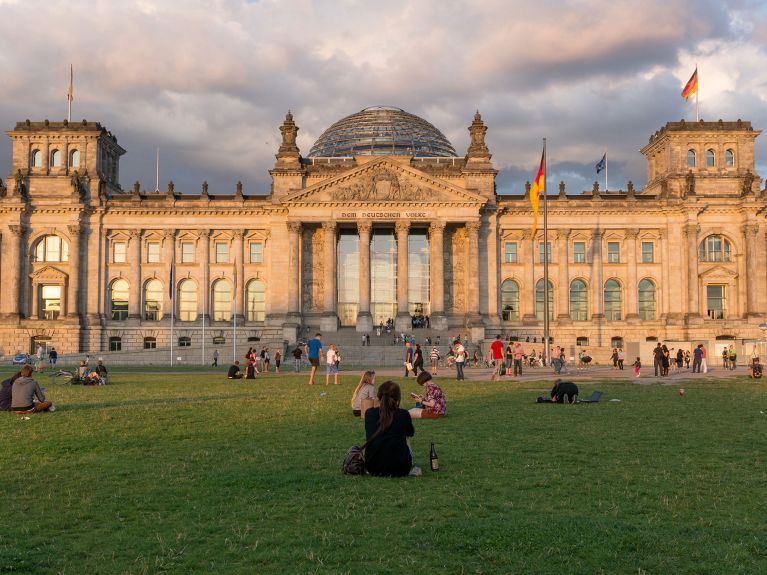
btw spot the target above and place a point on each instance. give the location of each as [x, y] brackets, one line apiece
[538, 187]
[692, 85]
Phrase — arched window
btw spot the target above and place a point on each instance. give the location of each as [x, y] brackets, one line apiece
[647, 303]
[690, 158]
[52, 249]
[613, 304]
[119, 300]
[256, 300]
[714, 248]
[153, 298]
[510, 300]
[539, 300]
[710, 158]
[579, 300]
[616, 341]
[187, 300]
[74, 159]
[55, 159]
[729, 158]
[222, 301]
[36, 159]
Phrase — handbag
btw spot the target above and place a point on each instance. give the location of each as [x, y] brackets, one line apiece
[366, 404]
[408, 366]
[354, 461]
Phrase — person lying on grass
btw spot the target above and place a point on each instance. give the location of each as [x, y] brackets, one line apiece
[559, 391]
[433, 400]
[365, 390]
[27, 395]
[389, 427]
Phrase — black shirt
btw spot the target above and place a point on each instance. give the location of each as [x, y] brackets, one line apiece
[563, 388]
[389, 455]
[418, 355]
[234, 370]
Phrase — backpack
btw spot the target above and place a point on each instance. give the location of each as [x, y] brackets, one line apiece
[354, 462]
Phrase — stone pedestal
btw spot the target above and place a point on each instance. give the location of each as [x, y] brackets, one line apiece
[329, 322]
[364, 322]
[290, 332]
[438, 322]
[403, 323]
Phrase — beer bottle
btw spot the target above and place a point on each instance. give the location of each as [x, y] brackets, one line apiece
[433, 458]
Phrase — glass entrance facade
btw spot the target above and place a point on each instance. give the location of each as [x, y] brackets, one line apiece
[418, 274]
[383, 275]
[348, 269]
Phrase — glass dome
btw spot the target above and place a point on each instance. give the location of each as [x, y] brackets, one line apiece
[382, 131]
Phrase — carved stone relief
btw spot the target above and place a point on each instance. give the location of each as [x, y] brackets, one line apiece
[456, 246]
[380, 185]
[312, 270]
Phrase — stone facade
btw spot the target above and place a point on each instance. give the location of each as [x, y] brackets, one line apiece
[695, 235]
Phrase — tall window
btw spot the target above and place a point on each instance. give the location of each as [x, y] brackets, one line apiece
[383, 275]
[648, 252]
[613, 252]
[222, 253]
[348, 260]
[153, 252]
[716, 301]
[74, 159]
[647, 303]
[222, 301]
[510, 252]
[729, 158]
[710, 158]
[579, 252]
[256, 253]
[541, 252]
[52, 249]
[579, 300]
[187, 300]
[36, 159]
[510, 300]
[714, 249]
[55, 159]
[539, 300]
[119, 252]
[418, 273]
[256, 300]
[187, 252]
[690, 158]
[613, 304]
[153, 298]
[50, 301]
[119, 300]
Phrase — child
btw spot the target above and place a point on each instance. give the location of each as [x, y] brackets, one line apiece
[637, 367]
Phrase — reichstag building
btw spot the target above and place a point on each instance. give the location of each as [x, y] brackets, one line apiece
[381, 220]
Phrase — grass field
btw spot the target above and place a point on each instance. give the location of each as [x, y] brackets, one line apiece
[190, 473]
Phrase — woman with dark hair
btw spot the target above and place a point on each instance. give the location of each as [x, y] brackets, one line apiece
[665, 360]
[387, 429]
[433, 400]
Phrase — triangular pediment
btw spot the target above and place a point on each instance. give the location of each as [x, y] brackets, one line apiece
[383, 182]
[48, 274]
[718, 272]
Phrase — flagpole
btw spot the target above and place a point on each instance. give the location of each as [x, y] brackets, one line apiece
[234, 316]
[697, 91]
[172, 302]
[157, 176]
[606, 190]
[204, 309]
[70, 95]
[545, 264]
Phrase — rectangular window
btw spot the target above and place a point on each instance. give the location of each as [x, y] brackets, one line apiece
[579, 252]
[256, 253]
[115, 344]
[716, 302]
[119, 251]
[51, 301]
[511, 253]
[222, 253]
[548, 252]
[153, 252]
[613, 252]
[187, 252]
[648, 255]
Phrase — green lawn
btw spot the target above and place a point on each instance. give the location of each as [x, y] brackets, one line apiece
[190, 473]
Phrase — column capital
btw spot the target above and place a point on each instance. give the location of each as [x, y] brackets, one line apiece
[663, 233]
[169, 234]
[564, 233]
[75, 230]
[472, 226]
[364, 227]
[203, 234]
[437, 226]
[329, 226]
[402, 227]
[631, 233]
[294, 227]
[750, 230]
[135, 234]
[238, 234]
[597, 235]
[17, 230]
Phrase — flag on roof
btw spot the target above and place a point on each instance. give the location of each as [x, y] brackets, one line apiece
[692, 85]
[602, 164]
[538, 187]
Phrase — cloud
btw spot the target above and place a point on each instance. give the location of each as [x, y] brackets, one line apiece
[209, 81]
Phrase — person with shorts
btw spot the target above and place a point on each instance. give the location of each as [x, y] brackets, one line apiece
[433, 399]
[313, 350]
[53, 356]
[332, 365]
[497, 348]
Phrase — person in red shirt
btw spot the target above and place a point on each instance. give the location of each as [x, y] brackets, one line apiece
[497, 348]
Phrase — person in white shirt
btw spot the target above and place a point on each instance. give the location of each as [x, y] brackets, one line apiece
[332, 368]
[460, 359]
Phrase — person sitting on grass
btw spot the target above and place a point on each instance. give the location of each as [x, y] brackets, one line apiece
[387, 429]
[562, 389]
[27, 397]
[433, 400]
[365, 390]
[101, 370]
[234, 371]
[250, 370]
[6, 391]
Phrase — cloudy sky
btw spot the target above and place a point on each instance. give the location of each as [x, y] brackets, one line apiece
[209, 81]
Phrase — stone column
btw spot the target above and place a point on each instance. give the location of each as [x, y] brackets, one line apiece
[527, 300]
[294, 276]
[596, 277]
[238, 249]
[563, 277]
[752, 284]
[364, 319]
[693, 290]
[73, 291]
[632, 303]
[402, 322]
[664, 309]
[134, 300]
[329, 320]
[472, 307]
[203, 304]
[169, 251]
[437, 319]
[12, 271]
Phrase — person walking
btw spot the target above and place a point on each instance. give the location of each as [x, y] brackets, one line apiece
[733, 357]
[497, 354]
[519, 355]
[53, 356]
[408, 358]
[277, 361]
[704, 358]
[313, 350]
[614, 358]
[215, 358]
[657, 360]
[434, 358]
[621, 358]
[460, 359]
[297, 353]
[687, 359]
[332, 365]
[725, 359]
[418, 359]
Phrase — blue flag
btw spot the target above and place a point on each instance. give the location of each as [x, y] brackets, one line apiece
[602, 163]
